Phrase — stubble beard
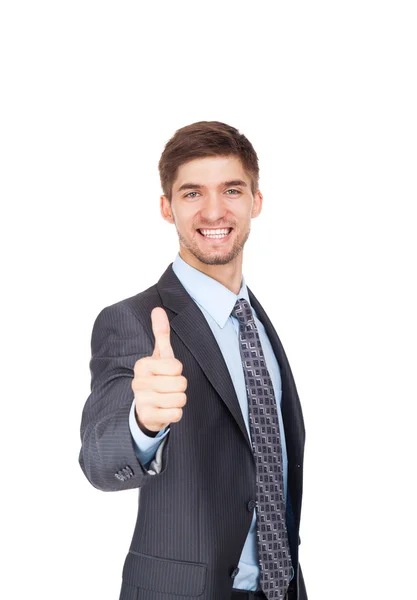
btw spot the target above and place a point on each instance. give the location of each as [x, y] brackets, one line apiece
[214, 257]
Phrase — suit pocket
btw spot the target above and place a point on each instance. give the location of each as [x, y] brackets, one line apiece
[164, 575]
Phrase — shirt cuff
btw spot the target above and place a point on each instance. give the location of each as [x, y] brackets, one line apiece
[145, 446]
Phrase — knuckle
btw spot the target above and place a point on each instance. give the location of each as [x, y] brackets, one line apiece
[141, 413]
[140, 401]
[137, 367]
[141, 365]
[178, 365]
[177, 412]
[138, 363]
[138, 383]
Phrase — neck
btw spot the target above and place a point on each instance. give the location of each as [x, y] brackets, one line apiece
[229, 275]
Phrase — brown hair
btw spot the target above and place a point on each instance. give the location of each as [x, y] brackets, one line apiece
[202, 139]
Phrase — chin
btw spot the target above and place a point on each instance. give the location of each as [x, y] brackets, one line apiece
[215, 260]
[216, 257]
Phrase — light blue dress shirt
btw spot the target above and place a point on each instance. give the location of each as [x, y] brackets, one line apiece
[216, 303]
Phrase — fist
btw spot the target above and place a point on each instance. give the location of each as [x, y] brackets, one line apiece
[158, 384]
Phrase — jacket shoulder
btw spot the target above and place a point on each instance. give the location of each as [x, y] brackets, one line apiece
[140, 305]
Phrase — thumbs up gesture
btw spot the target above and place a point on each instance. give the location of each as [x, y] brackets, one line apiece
[158, 385]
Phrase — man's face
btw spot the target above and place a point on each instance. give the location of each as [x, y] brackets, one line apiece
[212, 193]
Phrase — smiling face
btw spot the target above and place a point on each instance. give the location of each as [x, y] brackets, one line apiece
[212, 206]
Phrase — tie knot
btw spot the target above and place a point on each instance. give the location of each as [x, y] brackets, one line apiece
[242, 311]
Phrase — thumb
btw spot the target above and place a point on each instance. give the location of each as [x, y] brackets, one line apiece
[161, 329]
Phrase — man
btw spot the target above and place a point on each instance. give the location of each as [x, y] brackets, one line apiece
[193, 400]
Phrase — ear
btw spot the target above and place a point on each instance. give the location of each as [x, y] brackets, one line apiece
[166, 209]
[257, 204]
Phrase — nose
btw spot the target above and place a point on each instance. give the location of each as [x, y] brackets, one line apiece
[214, 208]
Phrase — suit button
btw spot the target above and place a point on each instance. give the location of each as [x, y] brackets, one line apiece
[234, 572]
[128, 472]
[124, 474]
[251, 504]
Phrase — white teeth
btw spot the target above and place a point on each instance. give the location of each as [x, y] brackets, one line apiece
[216, 233]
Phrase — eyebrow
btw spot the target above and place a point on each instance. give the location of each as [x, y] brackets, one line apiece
[193, 186]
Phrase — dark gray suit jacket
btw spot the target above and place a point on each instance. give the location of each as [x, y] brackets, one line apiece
[195, 510]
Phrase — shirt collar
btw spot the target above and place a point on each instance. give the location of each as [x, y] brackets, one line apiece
[210, 294]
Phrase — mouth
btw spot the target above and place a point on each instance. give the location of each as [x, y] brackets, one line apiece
[217, 235]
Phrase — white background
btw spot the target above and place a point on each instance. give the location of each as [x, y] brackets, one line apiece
[326, 92]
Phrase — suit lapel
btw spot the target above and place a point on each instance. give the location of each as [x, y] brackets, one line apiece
[192, 328]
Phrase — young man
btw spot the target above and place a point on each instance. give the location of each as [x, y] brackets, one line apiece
[193, 400]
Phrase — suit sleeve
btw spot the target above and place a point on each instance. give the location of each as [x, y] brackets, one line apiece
[107, 457]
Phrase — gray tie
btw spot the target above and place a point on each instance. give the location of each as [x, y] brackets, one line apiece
[273, 546]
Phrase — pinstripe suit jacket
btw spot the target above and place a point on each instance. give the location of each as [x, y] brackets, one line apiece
[194, 511]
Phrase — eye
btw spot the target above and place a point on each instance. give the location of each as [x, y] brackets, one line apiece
[233, 190]
[189, 195]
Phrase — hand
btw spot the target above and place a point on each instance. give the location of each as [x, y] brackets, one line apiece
[158, 384]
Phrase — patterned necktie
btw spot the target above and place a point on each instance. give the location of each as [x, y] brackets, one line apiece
[273, 546]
